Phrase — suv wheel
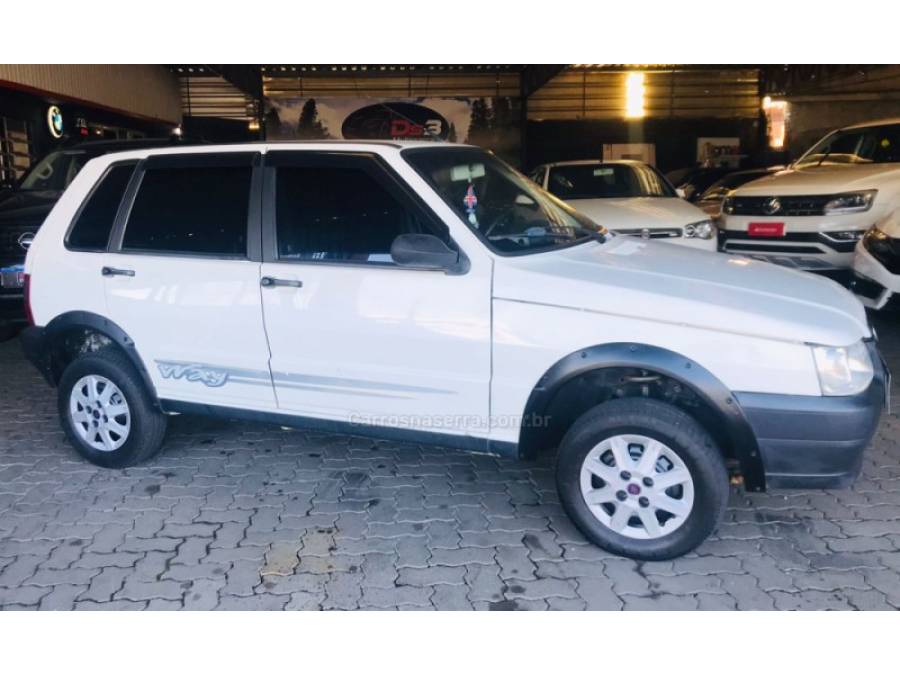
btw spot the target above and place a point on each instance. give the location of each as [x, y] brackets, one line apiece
[641, 478]
[106, 411]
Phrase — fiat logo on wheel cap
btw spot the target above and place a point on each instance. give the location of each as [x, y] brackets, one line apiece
[771, 206]
[25, 240]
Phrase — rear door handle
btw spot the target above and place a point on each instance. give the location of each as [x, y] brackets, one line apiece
[271, 282]
[116, 272]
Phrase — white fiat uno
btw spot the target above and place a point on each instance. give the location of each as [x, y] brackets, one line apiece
[429, 292]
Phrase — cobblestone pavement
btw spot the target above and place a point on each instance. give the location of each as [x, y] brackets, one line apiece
[241, 516]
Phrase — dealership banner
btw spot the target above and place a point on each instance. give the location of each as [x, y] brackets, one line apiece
[491, 122]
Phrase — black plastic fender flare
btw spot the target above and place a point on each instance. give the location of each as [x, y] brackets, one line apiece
[89, 321]
[671, 364]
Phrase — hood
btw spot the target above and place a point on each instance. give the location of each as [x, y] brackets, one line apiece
[639, 212]
[679, 285]
[26, 207]
[825, 179]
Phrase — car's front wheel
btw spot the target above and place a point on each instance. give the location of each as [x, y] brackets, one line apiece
[641, 478]
[106, 411]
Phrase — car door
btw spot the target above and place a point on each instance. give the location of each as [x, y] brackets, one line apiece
[182, 277]
[353, 336]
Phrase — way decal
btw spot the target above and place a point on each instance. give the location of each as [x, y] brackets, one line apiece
[192, 372]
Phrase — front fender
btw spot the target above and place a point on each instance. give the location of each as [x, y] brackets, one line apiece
[735, 427]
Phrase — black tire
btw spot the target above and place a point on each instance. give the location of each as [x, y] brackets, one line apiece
[672, 427]
[148, 425]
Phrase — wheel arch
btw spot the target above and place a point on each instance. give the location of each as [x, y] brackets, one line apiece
[73, 333]
[577, 369]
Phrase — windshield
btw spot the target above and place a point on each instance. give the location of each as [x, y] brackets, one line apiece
[600, 181]
[55, 171]
[508, 211]
[866, 145]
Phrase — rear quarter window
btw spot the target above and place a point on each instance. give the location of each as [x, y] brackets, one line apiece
[93, 223]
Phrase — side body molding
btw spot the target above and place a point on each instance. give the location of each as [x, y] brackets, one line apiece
[735, 427]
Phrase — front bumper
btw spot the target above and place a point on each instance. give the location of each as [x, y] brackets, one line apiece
[34, 344]
[816, 441]
[805, 244]
[12, 309]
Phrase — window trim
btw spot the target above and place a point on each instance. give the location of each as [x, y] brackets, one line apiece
[253, 160]
[84, 202]
[380, 170]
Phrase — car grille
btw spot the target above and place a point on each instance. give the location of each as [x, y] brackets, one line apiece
[10, 250]
[652, 233]
[884, 249]
[813, 205]
[790, 241]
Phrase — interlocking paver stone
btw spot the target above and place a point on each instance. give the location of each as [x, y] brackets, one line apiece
[244, 516]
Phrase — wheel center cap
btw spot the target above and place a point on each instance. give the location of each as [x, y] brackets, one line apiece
[633, 489]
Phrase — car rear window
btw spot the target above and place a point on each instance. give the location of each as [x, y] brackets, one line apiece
[90, 231]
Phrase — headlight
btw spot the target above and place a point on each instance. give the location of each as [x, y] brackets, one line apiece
[844, 235]
[851, 202]
[843, 370]
[728, 205]
[703, 229]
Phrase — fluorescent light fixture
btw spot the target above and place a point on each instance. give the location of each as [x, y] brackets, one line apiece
[634, 96]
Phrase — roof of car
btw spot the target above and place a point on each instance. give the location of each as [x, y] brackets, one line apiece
[874, 123]
[122, 145]
[584, 162]
[256, 146]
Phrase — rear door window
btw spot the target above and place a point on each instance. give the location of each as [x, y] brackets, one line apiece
[200, 210]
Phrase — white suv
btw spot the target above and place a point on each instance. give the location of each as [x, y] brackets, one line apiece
[429, 292]
[811, 215]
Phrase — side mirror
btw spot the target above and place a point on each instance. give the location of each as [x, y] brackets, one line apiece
[423, 250]
[681, 192]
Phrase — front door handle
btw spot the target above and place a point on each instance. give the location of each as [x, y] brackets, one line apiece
[116, 272]
[271, 282]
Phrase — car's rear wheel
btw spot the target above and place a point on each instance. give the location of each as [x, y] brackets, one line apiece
[641, 478]
[106, 411]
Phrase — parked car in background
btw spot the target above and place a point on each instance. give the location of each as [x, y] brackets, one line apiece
[811, 215]
[427, 291]
[628, 197]
[876, 263]
[692, 182]
[710, 201]
[23, 209]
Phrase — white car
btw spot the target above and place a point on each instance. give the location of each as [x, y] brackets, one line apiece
[811, 215]
[628, 197]
[877, 262]
[428, 292]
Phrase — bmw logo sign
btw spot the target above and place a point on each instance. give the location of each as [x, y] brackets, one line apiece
[772, 206]
[55, 121]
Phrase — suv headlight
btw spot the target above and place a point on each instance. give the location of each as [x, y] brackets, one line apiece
[843, 370]
[703, 229]
[851, 202]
